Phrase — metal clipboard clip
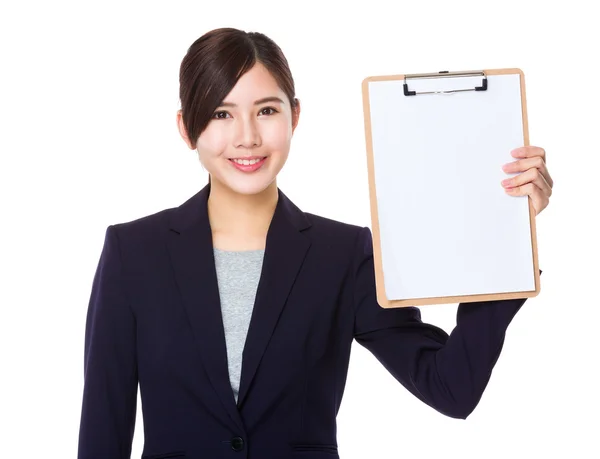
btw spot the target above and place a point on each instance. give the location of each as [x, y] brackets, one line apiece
[445, 74]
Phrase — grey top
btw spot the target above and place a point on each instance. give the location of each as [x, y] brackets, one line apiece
[238, 273]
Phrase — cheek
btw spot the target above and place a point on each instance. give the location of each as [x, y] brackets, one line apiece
[278, 135]
[211, 143]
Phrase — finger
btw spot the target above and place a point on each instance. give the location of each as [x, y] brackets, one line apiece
[532, 175]
[529, 151]
[528, 163]
[539, 199]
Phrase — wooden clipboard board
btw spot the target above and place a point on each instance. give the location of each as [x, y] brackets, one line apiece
[403, 87]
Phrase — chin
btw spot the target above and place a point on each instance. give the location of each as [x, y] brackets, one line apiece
[250, 187]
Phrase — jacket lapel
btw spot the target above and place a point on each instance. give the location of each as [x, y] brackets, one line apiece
[286, 248]
[191, 251]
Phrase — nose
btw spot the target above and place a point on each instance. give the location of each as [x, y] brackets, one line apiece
[247, 134]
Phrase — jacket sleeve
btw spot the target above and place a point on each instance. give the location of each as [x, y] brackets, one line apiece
[110, 372]
[447, 372]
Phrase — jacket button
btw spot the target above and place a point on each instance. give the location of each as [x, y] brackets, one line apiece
[237, 443]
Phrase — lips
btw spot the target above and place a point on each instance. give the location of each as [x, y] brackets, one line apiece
[249, 158]
[249, 167]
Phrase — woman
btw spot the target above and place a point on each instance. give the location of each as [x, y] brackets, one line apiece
[178, 295]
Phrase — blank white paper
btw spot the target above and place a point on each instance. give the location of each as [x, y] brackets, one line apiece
[447, 227]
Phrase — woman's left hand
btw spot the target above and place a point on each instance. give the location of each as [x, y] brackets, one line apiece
[534, 181]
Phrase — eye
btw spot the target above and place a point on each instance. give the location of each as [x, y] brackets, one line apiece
[269, 108]
[216, 115]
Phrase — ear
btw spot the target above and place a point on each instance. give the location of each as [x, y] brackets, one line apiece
[182, 130]
[295, 115]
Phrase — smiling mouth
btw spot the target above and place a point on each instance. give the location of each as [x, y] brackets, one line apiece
[247, 161]
[248, 166]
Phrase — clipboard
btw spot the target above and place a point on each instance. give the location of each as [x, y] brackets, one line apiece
[444, 230]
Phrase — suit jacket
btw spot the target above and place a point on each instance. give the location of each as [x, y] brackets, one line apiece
[154, 318]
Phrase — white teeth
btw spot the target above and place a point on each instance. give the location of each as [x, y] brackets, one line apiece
[246, 162]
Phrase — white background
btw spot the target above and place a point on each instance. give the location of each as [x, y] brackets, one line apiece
[88, 138]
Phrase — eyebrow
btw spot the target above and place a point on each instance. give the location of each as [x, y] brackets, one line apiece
[258, 102]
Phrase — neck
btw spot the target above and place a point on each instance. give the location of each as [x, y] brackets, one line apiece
[241, 215]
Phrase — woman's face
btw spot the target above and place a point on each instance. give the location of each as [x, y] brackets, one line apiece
[242, 129]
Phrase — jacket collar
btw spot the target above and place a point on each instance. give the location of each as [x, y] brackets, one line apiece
[191, 252]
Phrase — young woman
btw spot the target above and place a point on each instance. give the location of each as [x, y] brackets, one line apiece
[236, 311]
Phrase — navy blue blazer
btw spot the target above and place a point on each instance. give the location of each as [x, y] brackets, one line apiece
[154, 317]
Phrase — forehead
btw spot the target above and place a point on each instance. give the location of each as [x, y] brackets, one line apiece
[256, 83]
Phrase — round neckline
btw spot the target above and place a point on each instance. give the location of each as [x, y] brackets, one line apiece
[238, 251]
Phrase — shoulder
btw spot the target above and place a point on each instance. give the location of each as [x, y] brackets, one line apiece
[328, 233]
[146, 229]
[323, 223]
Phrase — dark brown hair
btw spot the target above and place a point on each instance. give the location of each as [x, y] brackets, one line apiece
[213, 65]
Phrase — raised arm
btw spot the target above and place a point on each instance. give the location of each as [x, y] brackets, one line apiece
[447, 372]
